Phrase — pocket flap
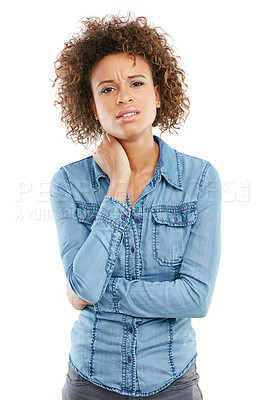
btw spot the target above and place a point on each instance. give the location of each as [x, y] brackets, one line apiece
[87, 213]
[182, 215]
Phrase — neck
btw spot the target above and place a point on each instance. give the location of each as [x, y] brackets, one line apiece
[143, 154]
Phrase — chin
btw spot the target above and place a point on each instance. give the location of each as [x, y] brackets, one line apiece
[122, 135]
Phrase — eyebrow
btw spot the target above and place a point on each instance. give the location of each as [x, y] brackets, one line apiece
[129, 77]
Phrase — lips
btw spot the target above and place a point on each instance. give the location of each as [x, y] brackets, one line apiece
[128, 110]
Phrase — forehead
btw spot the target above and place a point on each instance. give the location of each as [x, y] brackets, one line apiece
[121, 65]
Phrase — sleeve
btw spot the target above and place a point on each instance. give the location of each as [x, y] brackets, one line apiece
[88, 256]
[190, 295]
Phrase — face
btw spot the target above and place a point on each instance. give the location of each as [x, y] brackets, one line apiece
[120, 90]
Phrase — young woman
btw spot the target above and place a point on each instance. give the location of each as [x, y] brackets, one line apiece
[138, 222]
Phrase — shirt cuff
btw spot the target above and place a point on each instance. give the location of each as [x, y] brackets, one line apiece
[108, 302]
[114, 212]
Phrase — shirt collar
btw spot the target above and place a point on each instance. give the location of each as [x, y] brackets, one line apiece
[168, 165]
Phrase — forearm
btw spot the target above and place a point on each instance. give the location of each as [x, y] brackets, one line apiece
[103, 246]
[183, 298]
[93, 264]
[88, 250]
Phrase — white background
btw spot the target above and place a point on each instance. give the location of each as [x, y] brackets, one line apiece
[222, 48]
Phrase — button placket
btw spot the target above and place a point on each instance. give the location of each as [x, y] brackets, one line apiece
[129, 338]
[131, 271]
[129, 352]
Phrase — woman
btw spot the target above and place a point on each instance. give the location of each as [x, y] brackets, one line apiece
[138, 222]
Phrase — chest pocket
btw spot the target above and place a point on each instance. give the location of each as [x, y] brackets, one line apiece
[86, 213]
[171, 228]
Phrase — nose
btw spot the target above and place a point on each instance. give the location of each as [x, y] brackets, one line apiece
[123, 96]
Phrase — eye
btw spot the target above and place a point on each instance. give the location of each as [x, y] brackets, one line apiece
[138, 83]
[106, 90]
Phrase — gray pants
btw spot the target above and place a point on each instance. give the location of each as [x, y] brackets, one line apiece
[184, 388]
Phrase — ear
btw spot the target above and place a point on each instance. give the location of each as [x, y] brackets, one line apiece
[157, 95]
[93, 106]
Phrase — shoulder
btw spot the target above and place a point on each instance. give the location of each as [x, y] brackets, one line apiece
[76, 167]
[79, 165]
[190, 159]
[76, 171]
[192, 167]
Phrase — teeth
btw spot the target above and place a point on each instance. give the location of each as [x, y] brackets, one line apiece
[127, 115]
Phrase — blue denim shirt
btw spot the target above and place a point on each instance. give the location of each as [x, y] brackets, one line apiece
[148, 269]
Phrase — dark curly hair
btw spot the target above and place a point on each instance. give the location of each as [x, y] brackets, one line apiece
[109, 35]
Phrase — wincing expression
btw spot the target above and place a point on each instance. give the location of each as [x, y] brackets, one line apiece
[124, 96]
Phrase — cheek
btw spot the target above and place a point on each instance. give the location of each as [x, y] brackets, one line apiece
[105, 109]
[100, 108]
[106, 120]
[151, 101]
[152, 107]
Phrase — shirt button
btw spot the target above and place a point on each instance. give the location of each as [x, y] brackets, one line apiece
[129, 359]
[137, 220]
[124, 218]
[132, 249]
[176, 220]
[130, 330]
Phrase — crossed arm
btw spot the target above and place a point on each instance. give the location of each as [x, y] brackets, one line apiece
[190, 295]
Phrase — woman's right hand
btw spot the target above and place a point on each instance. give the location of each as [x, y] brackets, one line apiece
[112, 158]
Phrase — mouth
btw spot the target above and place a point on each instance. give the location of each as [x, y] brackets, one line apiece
[127, 115]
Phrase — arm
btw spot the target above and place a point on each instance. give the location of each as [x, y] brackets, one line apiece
[190, 295]
[88, 257]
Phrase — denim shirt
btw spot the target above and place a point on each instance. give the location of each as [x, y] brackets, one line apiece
[148, 269]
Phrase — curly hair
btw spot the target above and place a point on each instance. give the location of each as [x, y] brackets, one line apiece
[110, 35]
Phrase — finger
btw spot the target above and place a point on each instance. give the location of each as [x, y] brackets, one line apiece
[108, 137]
[104, 139]
[103, 142]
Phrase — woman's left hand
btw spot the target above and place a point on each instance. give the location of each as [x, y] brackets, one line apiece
[76, 301]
